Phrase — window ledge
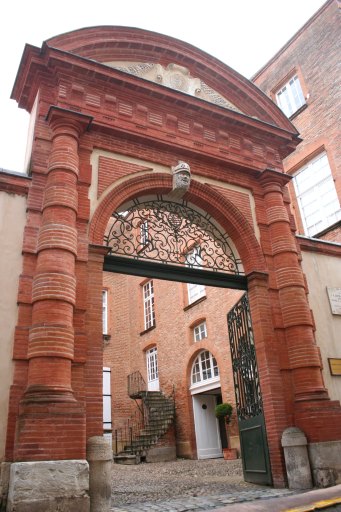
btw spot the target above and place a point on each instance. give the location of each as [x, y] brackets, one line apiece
[106, 338]
[303, 107]
[189, 306]
[147, 330]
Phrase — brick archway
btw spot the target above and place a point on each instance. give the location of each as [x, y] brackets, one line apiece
[222, 210]
[230, 218]
[55, 402]
[277, 399]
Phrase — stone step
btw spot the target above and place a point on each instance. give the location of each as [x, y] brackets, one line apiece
[127, 458]
[159, 418]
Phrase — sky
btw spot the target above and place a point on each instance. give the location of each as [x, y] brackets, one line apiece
[243, 34]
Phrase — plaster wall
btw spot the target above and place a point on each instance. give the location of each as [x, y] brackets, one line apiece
[12, 222]
[324, 271]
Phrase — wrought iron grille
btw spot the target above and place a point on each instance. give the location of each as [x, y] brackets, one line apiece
[173, 233]
[244, 363]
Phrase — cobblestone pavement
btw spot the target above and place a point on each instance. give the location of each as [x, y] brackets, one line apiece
[184, 485]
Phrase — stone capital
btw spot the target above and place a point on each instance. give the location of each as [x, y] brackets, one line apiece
[273, 181]
[61, 119]
[257, 278]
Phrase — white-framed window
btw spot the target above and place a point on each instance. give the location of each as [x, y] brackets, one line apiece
[194, 260]
[200, 331]
[316, 195]
[204, 368]
[105, 311]
[144, 233]
[107, 424]
[148, 305]
[152, 369]
[290, 97]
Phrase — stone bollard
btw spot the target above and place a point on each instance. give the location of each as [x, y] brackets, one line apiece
[99, 456]
[297, 463]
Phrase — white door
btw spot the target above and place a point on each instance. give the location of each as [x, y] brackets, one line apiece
[206, 427]
[152, 370]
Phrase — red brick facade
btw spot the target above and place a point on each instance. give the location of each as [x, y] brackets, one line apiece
[313, 54]
[173, 335]
[84, 107]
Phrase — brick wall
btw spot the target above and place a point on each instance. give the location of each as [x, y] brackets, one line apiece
[313, 53]
[174, 338]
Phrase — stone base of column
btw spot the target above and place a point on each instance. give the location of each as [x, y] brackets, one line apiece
[47, 486]
[325, 460]
[297, 463]
[5, 468]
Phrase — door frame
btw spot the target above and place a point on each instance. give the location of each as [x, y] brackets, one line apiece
[151, 354]
[197, 421]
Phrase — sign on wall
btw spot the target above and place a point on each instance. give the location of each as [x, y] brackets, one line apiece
[335, 365]
[334, 295]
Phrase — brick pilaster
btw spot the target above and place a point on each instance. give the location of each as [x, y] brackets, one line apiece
[309, 392]
[51, 422]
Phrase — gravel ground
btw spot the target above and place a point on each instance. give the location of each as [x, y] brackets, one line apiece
[164, 480]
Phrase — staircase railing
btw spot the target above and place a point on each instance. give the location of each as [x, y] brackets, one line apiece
[125, 437]
[136, 384]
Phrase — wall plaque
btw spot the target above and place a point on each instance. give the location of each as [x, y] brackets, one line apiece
[334, 295]
[335, 365]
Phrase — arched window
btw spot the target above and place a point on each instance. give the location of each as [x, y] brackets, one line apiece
[204, 368]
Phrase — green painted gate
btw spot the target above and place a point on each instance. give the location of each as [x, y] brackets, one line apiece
[253, 440]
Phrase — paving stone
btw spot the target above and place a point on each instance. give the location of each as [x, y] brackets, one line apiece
[184, 486]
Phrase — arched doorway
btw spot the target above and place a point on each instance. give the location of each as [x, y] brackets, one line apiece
[172, 240]
[205, 388]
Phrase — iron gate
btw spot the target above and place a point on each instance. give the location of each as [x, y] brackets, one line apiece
[254, 447]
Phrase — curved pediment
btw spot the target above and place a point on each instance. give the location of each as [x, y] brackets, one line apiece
[172, 63]
[175, 77]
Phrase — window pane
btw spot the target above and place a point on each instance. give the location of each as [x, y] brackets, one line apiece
[105, 311]
[148, 303]
[200, 332]
[316, 195]
[290, 97]
[152, 366]
[204, 367]
[195, 292]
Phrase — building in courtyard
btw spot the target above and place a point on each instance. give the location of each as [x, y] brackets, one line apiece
[114, 111]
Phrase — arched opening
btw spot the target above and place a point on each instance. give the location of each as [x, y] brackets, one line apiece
[206, 394]
[162, 239]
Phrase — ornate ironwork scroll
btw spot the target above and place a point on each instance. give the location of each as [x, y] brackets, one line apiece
[244, 363]
[173, 233]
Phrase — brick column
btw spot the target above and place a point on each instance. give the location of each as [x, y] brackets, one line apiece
[268, 362]
[303, 354]
[51, 422]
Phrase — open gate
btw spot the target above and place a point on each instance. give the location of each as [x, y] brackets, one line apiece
[253, 439]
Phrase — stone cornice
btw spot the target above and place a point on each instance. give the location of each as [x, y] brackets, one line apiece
[273, 178]
[53, 59]
[112, 43]
[62, 115]
[14, 183]
[319, 246]
[134, 107]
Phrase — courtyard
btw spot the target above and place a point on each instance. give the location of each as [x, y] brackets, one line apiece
[184, 485]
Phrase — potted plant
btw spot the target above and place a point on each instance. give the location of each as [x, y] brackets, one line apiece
[224, 412]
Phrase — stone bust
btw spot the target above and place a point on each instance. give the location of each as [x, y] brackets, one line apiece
[181, 178]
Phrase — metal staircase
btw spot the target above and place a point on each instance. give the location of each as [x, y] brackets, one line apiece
[156, 416]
